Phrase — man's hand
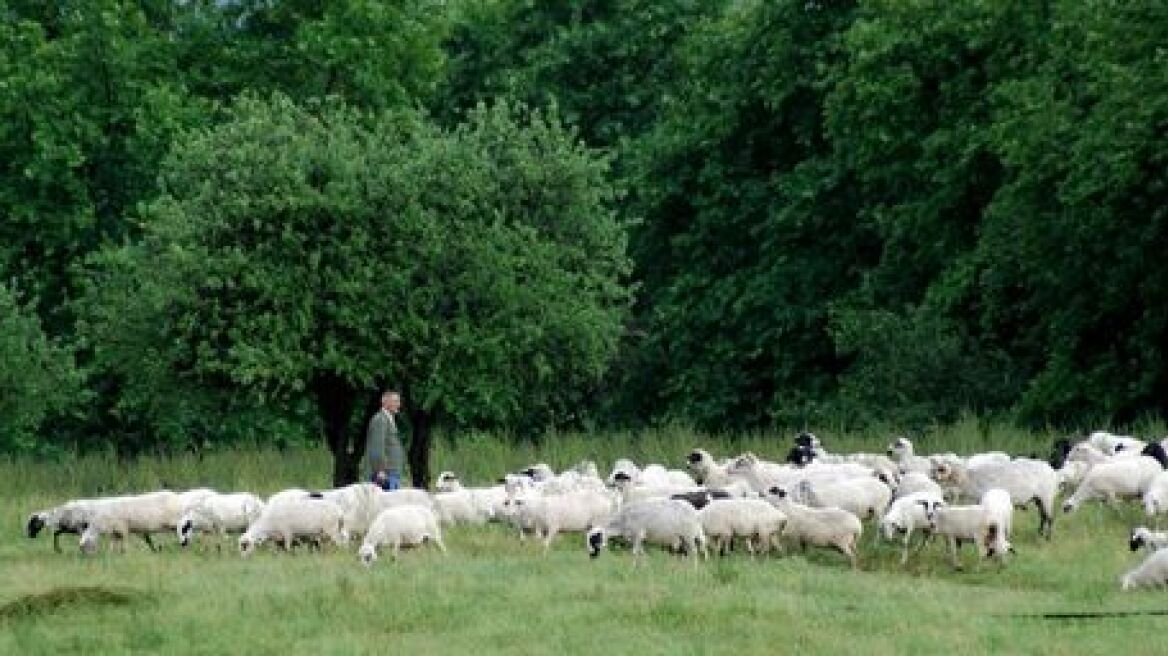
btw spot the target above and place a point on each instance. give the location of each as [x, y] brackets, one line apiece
[380, 477]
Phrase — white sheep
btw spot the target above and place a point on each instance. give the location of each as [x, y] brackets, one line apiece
[69, 517]
[906, 515]
[1153, 572]
[292, 519]
[361, 503]
[821, 527]
[139, 514]
[1125, 478]
[220, 514]
[487, 501]
[707, 471]
[1024, 479]
[754, 519]
[1112, 444]
[1141, 536]
[401, 526]
[913, 482]
[901, 452]
[548, 515]
[671, 523]
[866, 498]
[999, 511]
[1156, 496]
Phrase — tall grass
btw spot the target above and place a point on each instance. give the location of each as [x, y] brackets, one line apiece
[494, 594]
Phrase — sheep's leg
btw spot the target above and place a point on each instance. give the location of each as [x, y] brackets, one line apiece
[57, 540]
[953, 553]
[1045, 519]
[149, 542]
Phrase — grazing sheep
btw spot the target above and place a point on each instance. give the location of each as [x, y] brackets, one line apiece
[907, 514]
[901, 451]
[488, 501]
[220, 514]
[1153, 572]
[1000, 524]
[286, 521]
[965, 523]
[911, 483]
[755, 519]
[1141, 536]
[401, 526]
[820, 527]
[707, 472]
[140, 514]
[1024, 479]
[1124, 478]
[69, 517]
[548, 515]
[668, 522]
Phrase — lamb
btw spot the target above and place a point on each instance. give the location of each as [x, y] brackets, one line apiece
[488, 501]
[141, 514]
[69, 517]
[1152, 572]
[360, 503]
[907, 514]
[756, 520]
[821, 527]
[957, 524]
[667, 522]
[283, 522]
[547, 515]
[1121, 478]
[401, 526]
[1143, 537]
[1024, 479]
[866, 498]
[220, 514]
[999, 511]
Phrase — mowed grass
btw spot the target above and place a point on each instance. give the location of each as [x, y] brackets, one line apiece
[492, 593]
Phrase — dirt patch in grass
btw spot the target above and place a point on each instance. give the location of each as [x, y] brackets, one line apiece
[69, 598]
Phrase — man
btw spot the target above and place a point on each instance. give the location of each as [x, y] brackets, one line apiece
[383, 449]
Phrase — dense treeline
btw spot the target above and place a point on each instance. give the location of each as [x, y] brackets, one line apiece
[229, 221]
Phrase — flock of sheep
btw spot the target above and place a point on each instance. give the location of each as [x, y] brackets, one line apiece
[814, 498]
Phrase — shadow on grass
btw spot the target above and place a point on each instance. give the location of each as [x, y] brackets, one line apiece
[69, 598]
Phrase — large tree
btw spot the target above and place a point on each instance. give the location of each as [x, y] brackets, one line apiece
[324, 253]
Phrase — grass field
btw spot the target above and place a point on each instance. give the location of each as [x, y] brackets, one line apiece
[493, 594]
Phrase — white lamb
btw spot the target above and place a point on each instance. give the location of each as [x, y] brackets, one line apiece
[911, 483]
[361, 503]
[906, 515]
[754, 519]
[901, 451]
[1153, 572]
[140, 514]
[671, 523]
[1126, 478]
[487, 501]
[289, 520]
[1151, 540]
[821, 527]
[999, 511]
[1024, 479]
[1111, 444]
[220, 514]
[401, 526]
[548, 515]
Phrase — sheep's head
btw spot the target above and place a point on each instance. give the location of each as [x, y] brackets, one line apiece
[367, 554]
[900, 447]
[596, 541]
[447, 481]
[800, 455]
[247, 544]
[36, 522]
[698, 456]
[943, 472]
[1139, 537]
[807, 440]
[931, 508]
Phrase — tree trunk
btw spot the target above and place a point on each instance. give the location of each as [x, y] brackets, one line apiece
[335, 399]
[419, 454]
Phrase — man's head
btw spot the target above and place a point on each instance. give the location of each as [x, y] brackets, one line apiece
[391, 401]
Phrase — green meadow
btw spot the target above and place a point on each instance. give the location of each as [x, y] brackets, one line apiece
[492, 593]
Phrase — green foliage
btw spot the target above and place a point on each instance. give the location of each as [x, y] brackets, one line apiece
[298, 247]
[37, 378]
